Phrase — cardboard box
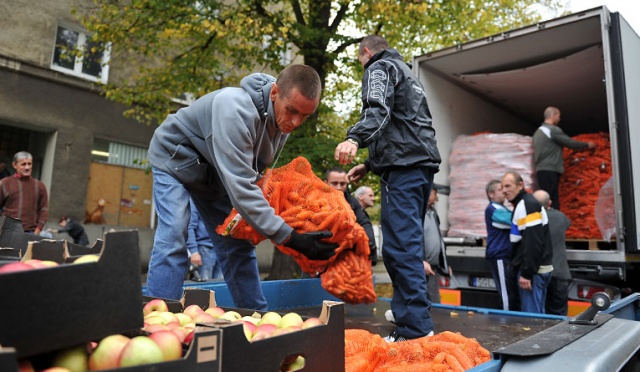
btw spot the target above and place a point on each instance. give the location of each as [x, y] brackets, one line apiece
[58, 307]
[12, 235]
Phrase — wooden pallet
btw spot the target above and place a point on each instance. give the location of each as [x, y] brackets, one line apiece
[591, 244]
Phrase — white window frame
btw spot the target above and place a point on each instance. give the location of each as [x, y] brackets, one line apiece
[77, 68]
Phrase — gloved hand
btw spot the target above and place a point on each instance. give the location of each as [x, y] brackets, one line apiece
[309, 244]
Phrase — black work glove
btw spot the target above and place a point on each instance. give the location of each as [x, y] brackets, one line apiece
[309, 244]
[373, 256]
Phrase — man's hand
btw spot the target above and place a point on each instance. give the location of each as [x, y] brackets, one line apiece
[524, 283]
[345, 152]
[427, 268]
[356, 173]
[196, 259]
[309, 244]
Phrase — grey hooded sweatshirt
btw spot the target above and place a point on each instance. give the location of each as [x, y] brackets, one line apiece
[219, 145]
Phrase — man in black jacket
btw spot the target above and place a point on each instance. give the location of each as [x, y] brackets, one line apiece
[337, 178]
[395, 126]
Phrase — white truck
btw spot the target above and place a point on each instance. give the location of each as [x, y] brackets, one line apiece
[586, 64]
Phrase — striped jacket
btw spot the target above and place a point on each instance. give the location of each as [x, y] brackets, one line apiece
[531, 249]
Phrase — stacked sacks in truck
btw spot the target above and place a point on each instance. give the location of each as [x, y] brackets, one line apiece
[307, 204]
[474, 161]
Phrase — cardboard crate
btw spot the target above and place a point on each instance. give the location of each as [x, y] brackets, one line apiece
[58, 307]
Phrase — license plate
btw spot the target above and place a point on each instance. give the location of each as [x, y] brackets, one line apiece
[482, 282]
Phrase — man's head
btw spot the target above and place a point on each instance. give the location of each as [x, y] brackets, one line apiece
[512, 184]
[336, 178]
[365, 196]
[552, 115]
[369, 46]
[433, 197]
[295, 95]
[22, 163]
[63, 221]
[494, 191]
[543, 198]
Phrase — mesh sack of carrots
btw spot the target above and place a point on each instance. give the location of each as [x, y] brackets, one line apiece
[308, 204]
[446, 351]
[585, 172]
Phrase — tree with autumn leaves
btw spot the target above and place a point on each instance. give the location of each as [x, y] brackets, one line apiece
[169, 49]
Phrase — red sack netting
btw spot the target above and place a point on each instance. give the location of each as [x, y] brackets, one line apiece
[308, 204]
[586, 171]
[474, 161]
[446, 351]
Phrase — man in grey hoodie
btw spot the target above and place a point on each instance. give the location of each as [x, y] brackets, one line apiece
[214, 151]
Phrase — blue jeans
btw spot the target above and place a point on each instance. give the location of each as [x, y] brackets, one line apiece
[210, 268]
[405, 193]
[169, 261]
[533, 301]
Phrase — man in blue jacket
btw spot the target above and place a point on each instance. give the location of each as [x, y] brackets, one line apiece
[214, 151]
[395, 125]
[498, 253]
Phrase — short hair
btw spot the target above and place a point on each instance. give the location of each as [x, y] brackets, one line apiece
[491, 186]
[550, 111]
[333, 169]
[360, 190]
[375, 43]
[516, 176]
[303, 77]
[21, 155]
[542, 197]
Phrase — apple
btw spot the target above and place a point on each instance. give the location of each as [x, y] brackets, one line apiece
[297, 364]
[215, 311]
[87, 258]
[107, 354]
[312, 322]
[282, 331]
[154, 319]
[24, 365]
[183, 318]
[248, 328]
[55, 369]
[231, 316]
[204, 318]
[15, 267]
[250, 319]
[193, 310]
[169, 343]
[290, 319]
[181, 332]
[169, 317]
[75, 359]
[263, 331]
[140, 350]
[39, 264]
[152, 328]
[157, 304]
[187, 340]
[271, 318]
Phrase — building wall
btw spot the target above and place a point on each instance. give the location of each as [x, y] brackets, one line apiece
[67, 113]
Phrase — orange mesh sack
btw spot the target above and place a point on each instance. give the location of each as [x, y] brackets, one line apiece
[446, 351]
[308, 204]
[586, 171]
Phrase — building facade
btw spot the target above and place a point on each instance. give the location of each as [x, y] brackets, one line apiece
[85, 151]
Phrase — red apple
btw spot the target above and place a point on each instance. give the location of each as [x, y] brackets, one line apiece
[248, 328]
[204, 318]
[169, 343]
[15, 267]
[152, 328]
[181, 332]
[140, 350]
[312, 322]
[193, 310]
[39, 264]
[263, 331]
[157, 304]
[107, 354]
[215, 311]
[187, 340]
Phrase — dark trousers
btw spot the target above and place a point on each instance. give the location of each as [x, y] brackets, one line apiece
[557, 297]
[549, 182]
[506, 280]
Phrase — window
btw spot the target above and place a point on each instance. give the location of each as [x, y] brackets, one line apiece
[119, 154]
[76, 54]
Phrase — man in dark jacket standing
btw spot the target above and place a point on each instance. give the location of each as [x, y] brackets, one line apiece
[530, 244]
[395, 125]
[548, 141]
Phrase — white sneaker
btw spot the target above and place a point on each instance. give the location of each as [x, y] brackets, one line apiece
[388, 315]
[395, 337]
